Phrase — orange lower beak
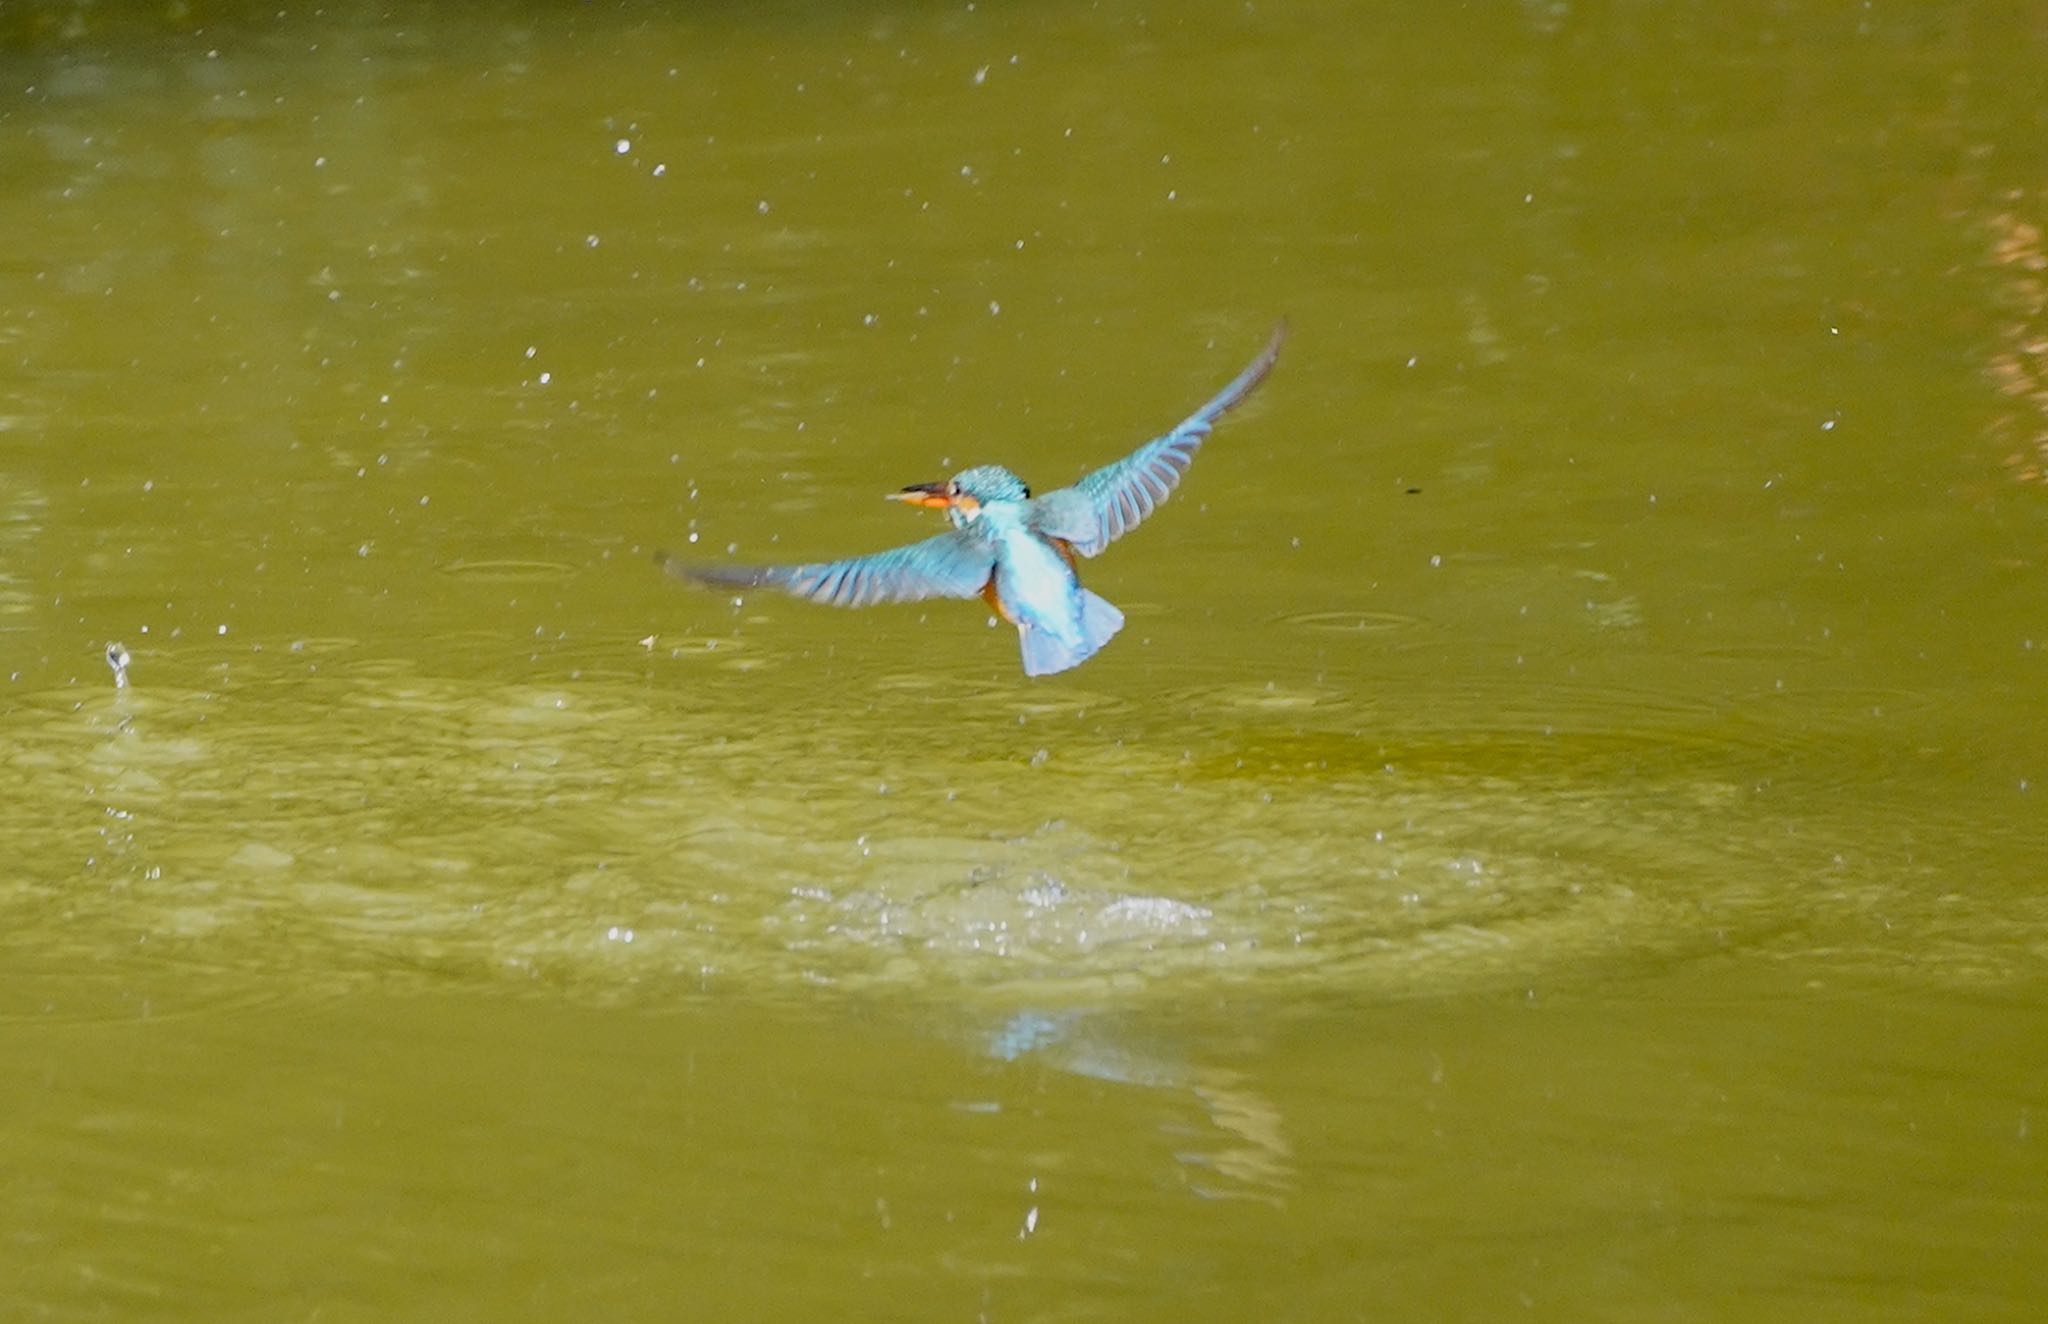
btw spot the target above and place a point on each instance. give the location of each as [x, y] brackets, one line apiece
[924, 494]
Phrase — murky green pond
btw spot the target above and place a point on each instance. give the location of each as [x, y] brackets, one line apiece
[1561, 836]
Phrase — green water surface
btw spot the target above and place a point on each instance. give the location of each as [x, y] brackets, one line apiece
[1560, 837]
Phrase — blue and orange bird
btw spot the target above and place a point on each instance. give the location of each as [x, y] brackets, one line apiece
[1006, 546]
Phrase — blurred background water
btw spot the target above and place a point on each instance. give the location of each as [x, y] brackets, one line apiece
[1560, 836]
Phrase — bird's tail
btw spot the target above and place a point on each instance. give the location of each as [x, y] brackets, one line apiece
[1046, 653]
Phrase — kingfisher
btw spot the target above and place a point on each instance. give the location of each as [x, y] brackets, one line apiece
[1015, 551]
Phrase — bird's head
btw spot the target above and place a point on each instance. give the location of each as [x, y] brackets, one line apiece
[964, 494]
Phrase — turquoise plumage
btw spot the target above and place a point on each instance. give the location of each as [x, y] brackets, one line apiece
[1014, 550]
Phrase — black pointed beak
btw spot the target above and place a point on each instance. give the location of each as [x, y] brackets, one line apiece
[924, 494]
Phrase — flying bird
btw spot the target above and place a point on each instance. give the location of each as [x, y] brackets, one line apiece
[1014, 550]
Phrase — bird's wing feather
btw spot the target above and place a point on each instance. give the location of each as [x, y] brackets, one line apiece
[1114, 499]
[951, 565]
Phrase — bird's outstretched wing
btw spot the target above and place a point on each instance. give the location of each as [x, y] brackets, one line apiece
[951, 565]
[1114, 499]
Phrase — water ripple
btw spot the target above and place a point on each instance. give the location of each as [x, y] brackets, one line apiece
[318, 829]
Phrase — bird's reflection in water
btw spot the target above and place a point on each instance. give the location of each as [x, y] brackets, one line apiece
[1242, 1153]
